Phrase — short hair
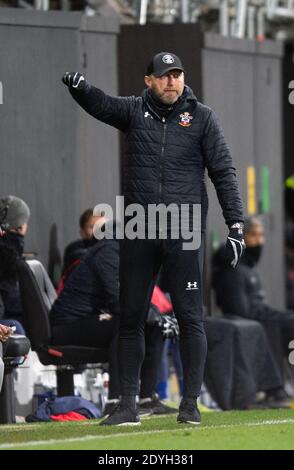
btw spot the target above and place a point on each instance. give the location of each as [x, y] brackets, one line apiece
[85, 217]
[250, 221]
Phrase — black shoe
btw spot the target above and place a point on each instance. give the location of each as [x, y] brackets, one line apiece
[278, 395]
[145, 409]
[155, 407]
[189, 413]
[109, 408]
[122, 416]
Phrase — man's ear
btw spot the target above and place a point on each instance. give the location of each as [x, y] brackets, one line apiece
[147, 81]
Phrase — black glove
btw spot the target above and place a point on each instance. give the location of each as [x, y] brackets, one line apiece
[235, 244]
[169, 326]
[74, 80]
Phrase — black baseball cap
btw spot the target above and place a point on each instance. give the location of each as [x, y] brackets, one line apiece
[164, 62]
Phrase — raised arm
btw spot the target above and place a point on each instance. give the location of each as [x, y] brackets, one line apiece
[115, 111]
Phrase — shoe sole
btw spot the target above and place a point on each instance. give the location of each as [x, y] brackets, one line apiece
[129, 424]
[145, 414]
[196, 423]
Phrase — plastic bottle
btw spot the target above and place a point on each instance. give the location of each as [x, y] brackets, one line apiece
[105, 388]
[97, 391]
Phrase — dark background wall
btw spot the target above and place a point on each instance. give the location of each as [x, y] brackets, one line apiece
[242, 82]
[138, 44]
[288, 128]
[53, 155]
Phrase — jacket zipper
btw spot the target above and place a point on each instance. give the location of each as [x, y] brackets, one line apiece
[163, 140]
[163, 120]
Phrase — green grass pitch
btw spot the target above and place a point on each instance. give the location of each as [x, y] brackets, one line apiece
[262, 429]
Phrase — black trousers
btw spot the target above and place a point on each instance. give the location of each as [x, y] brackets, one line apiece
[140, 261]
[279, 327]
[150, 368]
[87, 331]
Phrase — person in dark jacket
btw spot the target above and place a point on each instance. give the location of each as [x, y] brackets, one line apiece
[171, 139]
[241, 293]
[78, 248]
[14, 217]
[87, 311]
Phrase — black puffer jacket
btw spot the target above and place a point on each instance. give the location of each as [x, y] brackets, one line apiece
[76, 251]
[11, 250]
[240, 291]
[167, 156]
[93, 286]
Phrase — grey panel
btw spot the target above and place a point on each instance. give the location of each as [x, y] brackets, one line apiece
[246, 46]
[137, 44]
[288, 108]
[60, 19]
[99, 144]
[52, 153]
[268, 151]
[228, 89]
[241, 82]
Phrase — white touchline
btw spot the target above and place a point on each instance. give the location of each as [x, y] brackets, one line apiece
[142, 433]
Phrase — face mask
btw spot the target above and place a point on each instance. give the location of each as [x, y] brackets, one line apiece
[253, 253]
[17, 241]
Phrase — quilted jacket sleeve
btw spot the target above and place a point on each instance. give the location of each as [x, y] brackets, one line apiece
[221, 170]
[115, 111]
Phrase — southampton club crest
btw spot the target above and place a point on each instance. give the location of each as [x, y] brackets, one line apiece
[185, 119]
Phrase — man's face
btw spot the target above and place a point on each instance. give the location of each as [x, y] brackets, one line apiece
[22, 230]
[169, 87]
[87, 231]
[255, 237]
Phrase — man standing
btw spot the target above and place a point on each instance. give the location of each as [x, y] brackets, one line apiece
[171, 138]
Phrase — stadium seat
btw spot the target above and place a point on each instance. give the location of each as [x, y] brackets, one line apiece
[38, 295]
[16, 346]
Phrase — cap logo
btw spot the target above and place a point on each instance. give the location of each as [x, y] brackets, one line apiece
[168, 59]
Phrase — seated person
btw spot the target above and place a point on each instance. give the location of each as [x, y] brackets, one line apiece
[78, 248]
[14, 216]
[87, 311]
[240, 293]
[245, 363]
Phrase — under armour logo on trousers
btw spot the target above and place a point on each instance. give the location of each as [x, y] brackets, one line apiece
[192, 285]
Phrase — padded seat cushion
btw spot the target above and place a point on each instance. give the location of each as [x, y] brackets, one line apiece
[17, 345]
[73, 355]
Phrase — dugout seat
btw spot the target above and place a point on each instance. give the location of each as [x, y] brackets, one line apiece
[17, 346]
[38, 296]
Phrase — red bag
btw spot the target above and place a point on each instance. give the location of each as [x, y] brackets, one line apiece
[160, 301]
